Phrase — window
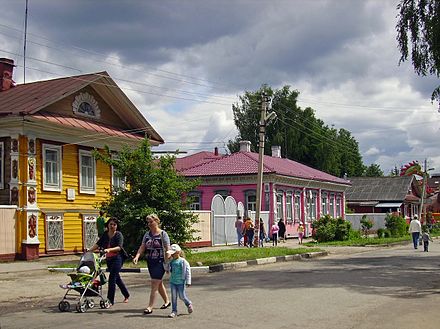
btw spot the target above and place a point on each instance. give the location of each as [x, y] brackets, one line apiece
[55, 238]
[311, 206]
[297, 212]
[52, 172]
[90, 231]
[338, 207]
[331, 204]
[251, 201]
[324, 204]
[118, 183]
[2, 165]
[87, 172]
[223, 193]
[280, 213]
[195, 200]
[289, 207]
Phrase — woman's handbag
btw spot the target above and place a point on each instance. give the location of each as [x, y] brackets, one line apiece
[166, 262]
[124, 254]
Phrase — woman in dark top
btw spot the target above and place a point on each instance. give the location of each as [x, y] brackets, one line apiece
[282, 231]
[112, 242]
[155, 244]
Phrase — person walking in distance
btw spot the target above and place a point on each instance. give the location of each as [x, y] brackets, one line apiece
[415, 228]
[262, 234]
[249, 227]
[282, 231]
[300, 233]
[100, 224]
[239, 228]
[179, 279]
[426, 238]
[274, 232]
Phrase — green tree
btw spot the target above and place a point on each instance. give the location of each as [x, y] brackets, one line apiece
[302, 136]
[153, 186]
[395, 172]
[373, 170]
[418, 35]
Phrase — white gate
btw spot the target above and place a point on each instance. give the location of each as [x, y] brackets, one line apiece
[264, 215]
[224, 216]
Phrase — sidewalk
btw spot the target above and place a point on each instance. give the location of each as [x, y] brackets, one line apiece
[44, 263]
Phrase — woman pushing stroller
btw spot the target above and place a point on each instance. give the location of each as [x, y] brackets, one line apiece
[112, 242]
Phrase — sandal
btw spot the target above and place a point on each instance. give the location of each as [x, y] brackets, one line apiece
[148, 311]
[164, 306]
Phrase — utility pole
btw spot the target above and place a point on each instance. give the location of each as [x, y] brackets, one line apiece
[425, 177]
[260, 169]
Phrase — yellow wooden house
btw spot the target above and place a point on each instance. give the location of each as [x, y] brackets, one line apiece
[48, 130]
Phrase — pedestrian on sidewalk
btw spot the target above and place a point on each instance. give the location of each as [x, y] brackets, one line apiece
[100, 224]
[426, 238]
[112, 242]
[239, 226]
[274, 232]
[262, 234]
[282, 231]
[250, 230]
[155, 244]
[415, 228]
[300, 233]
[179, 279]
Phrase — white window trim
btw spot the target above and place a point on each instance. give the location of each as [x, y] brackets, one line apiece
[2, 165]
[51, 187]
[82, 189]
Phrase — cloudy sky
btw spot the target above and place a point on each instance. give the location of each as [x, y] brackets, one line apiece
[184, 63]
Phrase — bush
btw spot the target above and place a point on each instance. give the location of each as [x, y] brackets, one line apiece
[386, 234]
[330, 229]
[381, 233]
[354, 235]
[396, 225]
[366, 225]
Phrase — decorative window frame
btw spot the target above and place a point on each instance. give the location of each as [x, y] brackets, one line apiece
[279, 204]
[324, 203]
[2, 165]
[54, 218]
[338, 206]
[47, 186]
[289, 209]
[89, 220]
[331, 205]
[82, 188]
[250, 205]
[118, 183]
[297, 206]
[86, 97]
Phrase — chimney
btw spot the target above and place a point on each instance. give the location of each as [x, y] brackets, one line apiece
[216, 150]
[6, 70]
[245, 146]
[276, 151]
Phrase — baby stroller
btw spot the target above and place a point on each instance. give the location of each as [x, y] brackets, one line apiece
[85, 282]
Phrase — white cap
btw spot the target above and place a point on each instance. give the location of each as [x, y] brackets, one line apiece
[415, 217]
[174, 248]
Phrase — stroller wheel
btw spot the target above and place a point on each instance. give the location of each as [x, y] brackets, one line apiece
[64, 306]
[105, 303]
[81, 307]
[90, 303]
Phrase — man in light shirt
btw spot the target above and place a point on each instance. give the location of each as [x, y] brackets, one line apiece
[415, 228]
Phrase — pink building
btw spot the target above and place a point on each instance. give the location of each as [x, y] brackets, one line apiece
[292, 192]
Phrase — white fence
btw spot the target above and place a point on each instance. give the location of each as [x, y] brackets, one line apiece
[355, 220]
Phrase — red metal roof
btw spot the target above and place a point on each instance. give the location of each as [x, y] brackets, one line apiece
[243, 163]
[194, 160]
[31, 97]
[74, 122]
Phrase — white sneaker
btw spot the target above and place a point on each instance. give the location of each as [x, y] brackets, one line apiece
[190, 308]
[172, 315]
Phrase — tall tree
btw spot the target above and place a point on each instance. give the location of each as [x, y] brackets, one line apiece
[373, 170]
[418, 34]
[153, 186]
[302, 136]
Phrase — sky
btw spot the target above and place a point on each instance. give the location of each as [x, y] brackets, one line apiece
[183, 63]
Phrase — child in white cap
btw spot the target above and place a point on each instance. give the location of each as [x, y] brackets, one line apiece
[180, 277]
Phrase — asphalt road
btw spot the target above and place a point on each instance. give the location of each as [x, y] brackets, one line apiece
[382, 288]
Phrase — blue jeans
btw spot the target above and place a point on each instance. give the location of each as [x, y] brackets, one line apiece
[178, 290]
[239, 236]
[114, 265]
[250, 237]
[415, 238]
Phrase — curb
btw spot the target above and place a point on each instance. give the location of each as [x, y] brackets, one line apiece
[263, 261]
[222, 266]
